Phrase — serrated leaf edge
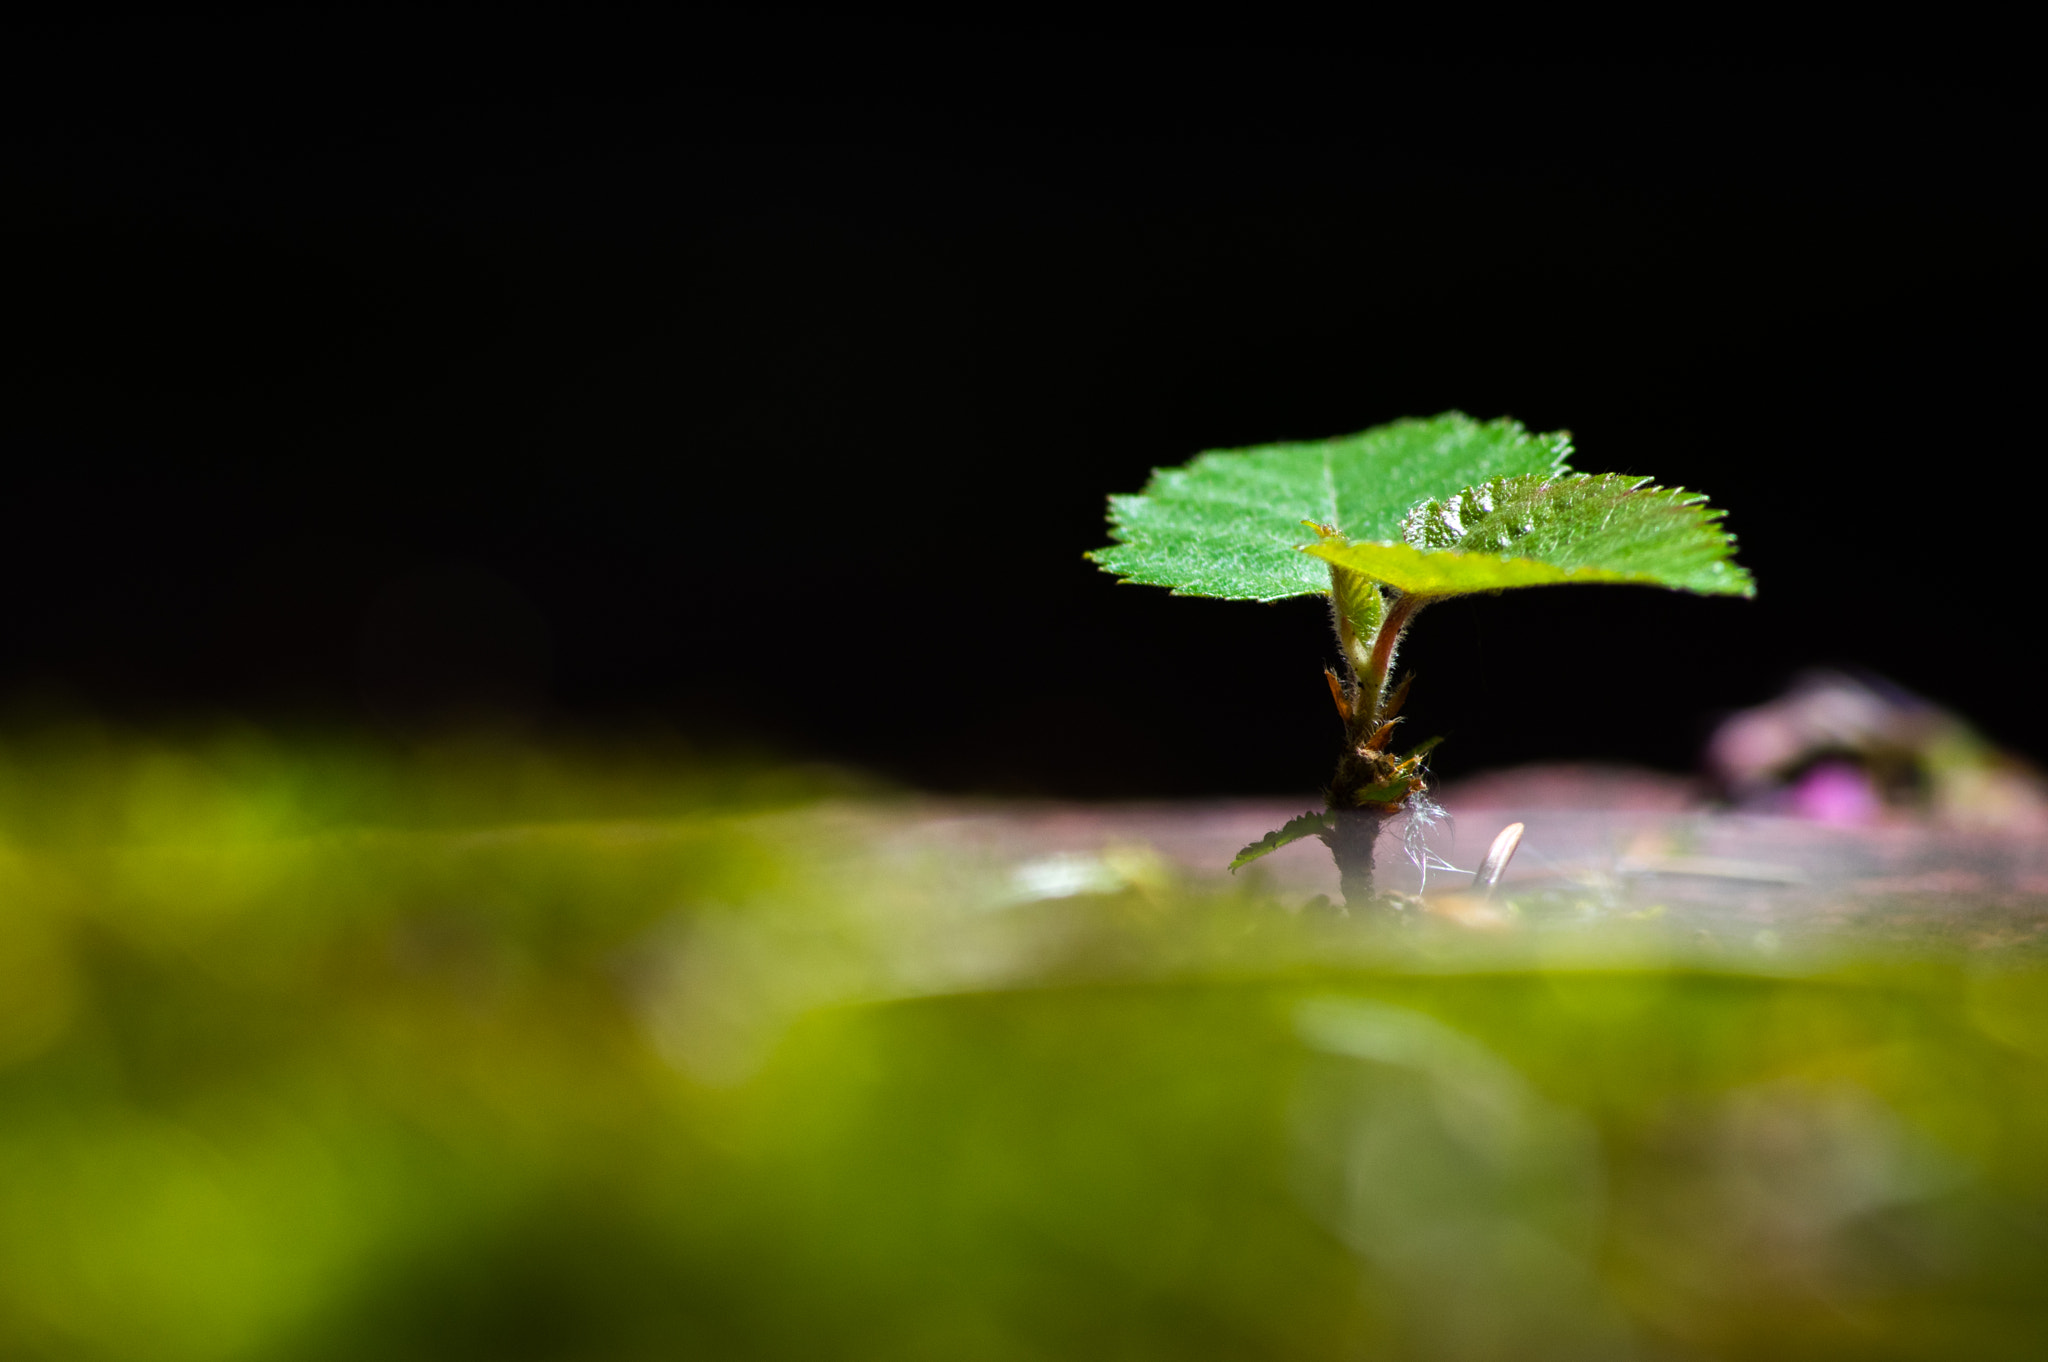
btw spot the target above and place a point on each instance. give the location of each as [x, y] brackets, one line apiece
[1309, 824]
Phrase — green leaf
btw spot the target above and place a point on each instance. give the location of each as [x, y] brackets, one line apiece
[1421, 750]
[1390, 791]
[1229, 522]
[1360, 608]
[1538, 531]
[1293, 830]
[1359, 599]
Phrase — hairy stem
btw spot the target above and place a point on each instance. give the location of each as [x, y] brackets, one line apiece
[1380, 661]
[1369, 785]
[1351, 839]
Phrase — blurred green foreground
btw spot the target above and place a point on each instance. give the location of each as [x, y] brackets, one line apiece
[487, 1052]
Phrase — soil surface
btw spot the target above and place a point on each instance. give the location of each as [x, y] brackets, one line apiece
[1600, 845]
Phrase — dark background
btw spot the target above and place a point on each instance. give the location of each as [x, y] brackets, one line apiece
[762, 379]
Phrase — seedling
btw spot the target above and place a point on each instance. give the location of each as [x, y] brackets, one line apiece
[1384, 523]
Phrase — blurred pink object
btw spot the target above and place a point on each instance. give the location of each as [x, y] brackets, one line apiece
[1837, 792]
[1845, 750]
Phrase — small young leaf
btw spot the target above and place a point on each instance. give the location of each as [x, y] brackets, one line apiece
[1228, 523]
[1388, 792]
[1293, 830]
[1421, 750]
[1535, 531]
[1359, 608]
